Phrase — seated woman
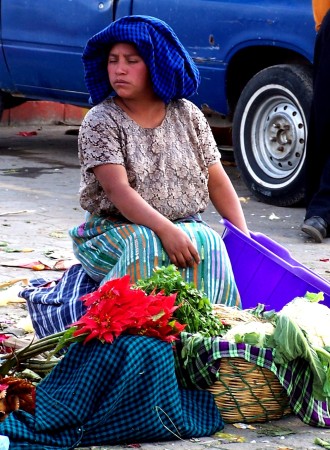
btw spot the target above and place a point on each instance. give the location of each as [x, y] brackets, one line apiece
[150, 164]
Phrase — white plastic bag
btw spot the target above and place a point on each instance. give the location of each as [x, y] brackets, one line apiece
[4, 443]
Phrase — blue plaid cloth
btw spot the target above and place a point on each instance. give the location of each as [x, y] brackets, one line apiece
[103, 394]
[54, 307]
[173, 73]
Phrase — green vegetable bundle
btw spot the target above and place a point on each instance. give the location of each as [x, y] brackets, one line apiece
[195, 308]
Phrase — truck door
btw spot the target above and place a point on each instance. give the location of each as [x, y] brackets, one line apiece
[214, 30]
[43, 42]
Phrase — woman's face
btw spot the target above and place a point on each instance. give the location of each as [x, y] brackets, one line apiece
[128, 73]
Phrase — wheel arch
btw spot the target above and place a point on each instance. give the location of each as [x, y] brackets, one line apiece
[254, 59]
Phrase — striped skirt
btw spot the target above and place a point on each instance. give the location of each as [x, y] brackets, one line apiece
[111, 248]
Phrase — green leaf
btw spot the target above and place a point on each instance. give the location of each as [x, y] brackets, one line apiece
[290, 343]
[322, 443]
[251, 338]
[66, 339]
[312, 297]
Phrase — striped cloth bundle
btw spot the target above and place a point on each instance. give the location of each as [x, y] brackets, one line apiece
[109, 249]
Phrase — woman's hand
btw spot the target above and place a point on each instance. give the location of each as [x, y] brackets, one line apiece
[178, 246]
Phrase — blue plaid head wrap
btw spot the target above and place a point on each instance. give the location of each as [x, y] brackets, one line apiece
[173, 72]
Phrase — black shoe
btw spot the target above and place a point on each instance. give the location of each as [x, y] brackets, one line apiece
[315, 227]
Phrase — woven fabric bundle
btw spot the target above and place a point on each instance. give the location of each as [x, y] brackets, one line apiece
[110, 394]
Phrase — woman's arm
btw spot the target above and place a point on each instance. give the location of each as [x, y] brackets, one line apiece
[224, 197]
[178, 246]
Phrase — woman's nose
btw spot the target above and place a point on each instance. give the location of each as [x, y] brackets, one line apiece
[120, 67]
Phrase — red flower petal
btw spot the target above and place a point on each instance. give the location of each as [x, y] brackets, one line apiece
[116, 308]
[3, 337]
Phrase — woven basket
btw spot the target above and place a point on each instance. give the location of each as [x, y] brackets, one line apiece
[248, 393]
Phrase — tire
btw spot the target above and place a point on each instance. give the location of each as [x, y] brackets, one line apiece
[270, 133]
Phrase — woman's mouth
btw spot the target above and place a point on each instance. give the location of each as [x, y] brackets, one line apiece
[120, 83]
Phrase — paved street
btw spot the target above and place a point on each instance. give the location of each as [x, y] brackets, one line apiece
[39, 179]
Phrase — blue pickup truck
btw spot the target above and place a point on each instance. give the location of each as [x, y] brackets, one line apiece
[254, 56]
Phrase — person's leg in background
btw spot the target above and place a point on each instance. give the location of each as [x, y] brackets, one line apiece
[317, 218]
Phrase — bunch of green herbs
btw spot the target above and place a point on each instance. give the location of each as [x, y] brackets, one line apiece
[195, 308]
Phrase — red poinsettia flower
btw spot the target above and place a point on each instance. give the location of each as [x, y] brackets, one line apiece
[3, 347]
[4, 387]
[3, 337]
[116, 307]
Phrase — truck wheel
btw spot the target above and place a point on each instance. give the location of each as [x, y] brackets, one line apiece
[270, 133]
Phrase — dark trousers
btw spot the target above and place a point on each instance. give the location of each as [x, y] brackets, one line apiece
[318, 143]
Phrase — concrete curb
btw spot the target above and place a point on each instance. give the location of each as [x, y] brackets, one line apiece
[43, 113]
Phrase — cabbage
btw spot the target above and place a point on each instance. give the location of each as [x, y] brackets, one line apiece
[302, 331]
[252, 333]
[312, 317]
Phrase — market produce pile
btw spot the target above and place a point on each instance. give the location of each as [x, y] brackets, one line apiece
[163, 306]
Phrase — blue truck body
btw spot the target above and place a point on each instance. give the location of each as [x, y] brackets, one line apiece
[230, 41]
